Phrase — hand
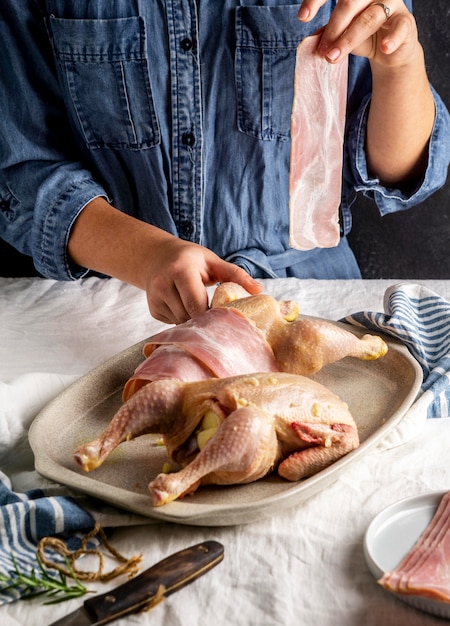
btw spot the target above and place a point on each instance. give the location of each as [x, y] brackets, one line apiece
[360, 27]
[178, 274]
[396, 152]
[173, 272]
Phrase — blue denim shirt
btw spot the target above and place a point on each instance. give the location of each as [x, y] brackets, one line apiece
[178, 112]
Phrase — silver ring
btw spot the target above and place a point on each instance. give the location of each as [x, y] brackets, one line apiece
[386, 9]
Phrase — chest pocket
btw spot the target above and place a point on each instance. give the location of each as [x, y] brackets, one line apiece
[266, 41]
[105, 78]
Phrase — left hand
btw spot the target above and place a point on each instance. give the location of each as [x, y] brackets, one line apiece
[360, 27]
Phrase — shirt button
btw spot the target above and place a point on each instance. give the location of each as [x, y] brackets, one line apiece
[186, 228]
[188, 139]
[186, 44]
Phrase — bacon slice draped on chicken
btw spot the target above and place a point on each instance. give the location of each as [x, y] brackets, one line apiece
[241, 334]
[229, 393]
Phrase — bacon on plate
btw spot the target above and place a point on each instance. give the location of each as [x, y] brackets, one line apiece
[425, 570]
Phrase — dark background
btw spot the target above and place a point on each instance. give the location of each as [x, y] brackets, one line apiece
[412, 244]
[416, 242]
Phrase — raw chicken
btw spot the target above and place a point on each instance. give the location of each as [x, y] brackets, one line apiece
[303, 345]
[221, 342]
[213, 388]
[242, 334]
[252, 425]
[317, 137]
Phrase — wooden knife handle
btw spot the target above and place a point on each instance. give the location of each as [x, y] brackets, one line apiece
[156, 583]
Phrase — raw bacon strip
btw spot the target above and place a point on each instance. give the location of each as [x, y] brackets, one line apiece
[425, 549]
[220, 343]
[317, 136]
[166, 362]
[396, 577]
[425, 570]
[222, 339]
[415, 557]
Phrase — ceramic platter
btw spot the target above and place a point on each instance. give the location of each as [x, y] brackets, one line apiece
[378, 394]
[392, 534]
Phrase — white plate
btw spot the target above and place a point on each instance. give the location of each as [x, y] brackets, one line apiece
[392, 534]
[378, 394]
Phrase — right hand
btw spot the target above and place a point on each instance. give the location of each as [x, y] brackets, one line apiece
[360, 27]
[174, 273]
[177, 275]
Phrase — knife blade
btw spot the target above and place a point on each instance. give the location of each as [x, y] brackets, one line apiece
[147, 589]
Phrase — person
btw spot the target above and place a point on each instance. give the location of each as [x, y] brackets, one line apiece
[149, 140]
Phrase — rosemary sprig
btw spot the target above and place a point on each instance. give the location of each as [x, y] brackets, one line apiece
[40, 582]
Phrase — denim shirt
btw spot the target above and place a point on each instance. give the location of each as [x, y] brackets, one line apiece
[178, 112]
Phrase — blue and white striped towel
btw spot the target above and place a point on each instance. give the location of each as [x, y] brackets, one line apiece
[420, 319]
[27, 517]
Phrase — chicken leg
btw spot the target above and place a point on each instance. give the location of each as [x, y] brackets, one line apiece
[262, 419]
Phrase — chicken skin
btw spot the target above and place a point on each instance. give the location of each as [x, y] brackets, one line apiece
[230, 394]
[301, 345]
[241, 334]
[262, 422]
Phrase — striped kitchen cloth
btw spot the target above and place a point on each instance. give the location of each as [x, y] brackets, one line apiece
[27, 517]
[420, 319]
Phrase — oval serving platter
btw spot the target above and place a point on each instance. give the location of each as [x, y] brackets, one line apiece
[378, 394]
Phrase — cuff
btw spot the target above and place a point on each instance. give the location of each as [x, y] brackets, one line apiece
[391, 200]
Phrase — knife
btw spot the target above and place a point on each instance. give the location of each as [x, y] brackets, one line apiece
[146, 590]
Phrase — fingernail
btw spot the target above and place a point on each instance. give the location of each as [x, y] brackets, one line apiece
[334, 54]
[388, 45]
[303, 13]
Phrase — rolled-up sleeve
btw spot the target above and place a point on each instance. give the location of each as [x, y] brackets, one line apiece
[43, 187]
[391, 200]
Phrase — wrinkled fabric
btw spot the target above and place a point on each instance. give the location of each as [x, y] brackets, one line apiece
[25, 518]
[420, 319]
[301, 565]
[177, 112]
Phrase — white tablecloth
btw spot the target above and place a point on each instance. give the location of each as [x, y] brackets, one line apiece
[303, 566]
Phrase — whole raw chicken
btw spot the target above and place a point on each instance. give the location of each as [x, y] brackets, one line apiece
[214, 388]
[232, 430]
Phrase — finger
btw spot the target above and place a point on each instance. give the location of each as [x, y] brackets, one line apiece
[398, 31]
[340, 19]
[346, 32]
[167, 306]
[229, 272]
[161, 313]
[344, 17]
[192, 295]
[309, 9]
[166, 319]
